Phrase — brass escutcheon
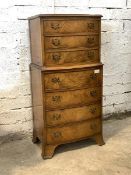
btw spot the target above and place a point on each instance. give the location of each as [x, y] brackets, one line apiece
[56, 98]
[55, 26]
[93, 76]
[91, 25]
[93, 110]
[56, 117]
[57, 134]
[56, 57]
[55, 80]
[93, 93]
[56, 42]
[91, 40]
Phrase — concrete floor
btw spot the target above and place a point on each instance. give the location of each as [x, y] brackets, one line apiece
[21, 157]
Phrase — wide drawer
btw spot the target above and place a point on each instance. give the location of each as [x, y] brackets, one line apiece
[72, 98]
[65, 42]
[77, 79]
[73, 132]
[59, 117]
[71, 26]
[71, 57]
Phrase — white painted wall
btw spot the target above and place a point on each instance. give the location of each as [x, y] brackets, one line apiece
[15, 95]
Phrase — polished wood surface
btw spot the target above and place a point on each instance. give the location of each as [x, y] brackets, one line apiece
[71, 26]
[67, 68]
[70, 115]
[72, 98]
[35, 41]
[56, 135]
[71, 57]
[65, 16]
[37, 103]
[66, 79]
[73, 79]
[66, 42]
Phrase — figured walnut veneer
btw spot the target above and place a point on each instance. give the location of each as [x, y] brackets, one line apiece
[66, 79]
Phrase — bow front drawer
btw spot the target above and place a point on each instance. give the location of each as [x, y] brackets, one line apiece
[71, 57]
[72, 98]
[68, 42]
[77, 79]
[72, 26]
[59, 117]
[73, 132]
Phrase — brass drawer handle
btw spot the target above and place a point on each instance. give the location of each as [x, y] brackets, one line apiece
[55, 26]
[55, 80]
[91, 40]
[56, 117]
[56, 57]
[57, 134]
[90, 54]
[56, 42]
[91, 26]
[93, 93]
[93, 110]
[56, 98]
[93, 126]
[93, 76]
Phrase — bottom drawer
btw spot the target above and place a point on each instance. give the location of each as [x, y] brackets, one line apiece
[73, 132]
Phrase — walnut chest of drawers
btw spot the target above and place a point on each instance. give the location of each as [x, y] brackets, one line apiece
[66, 79]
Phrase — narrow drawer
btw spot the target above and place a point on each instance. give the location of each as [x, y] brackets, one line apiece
[59, 117]
[66, 42]
[73, 132]
[72, 57]
[71, 26]
[67, 80]
[72, 98]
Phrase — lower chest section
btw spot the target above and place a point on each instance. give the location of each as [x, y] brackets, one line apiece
[73, 104]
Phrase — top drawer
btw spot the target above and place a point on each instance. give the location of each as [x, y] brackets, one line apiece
[72, 26]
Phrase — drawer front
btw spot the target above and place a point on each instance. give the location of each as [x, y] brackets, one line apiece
[65, 42]
[87, 78]
[72, 98]
[73, 132]
[58, 117]
[72, 26]
[72, 57]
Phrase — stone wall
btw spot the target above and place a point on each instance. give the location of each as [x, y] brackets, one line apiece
[15, 95]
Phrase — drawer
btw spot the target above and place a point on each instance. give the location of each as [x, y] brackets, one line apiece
[58, 117]
[71, 26]
[65, 42]
[67, 80]
[72, 57]
[72, 98]
[73, 132]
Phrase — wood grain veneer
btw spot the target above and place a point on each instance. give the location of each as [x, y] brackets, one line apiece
[66, 79]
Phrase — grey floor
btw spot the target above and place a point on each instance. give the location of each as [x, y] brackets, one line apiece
[21, 157]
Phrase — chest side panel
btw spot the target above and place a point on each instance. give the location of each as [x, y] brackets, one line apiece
[36, 41]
